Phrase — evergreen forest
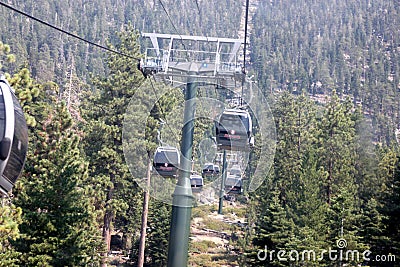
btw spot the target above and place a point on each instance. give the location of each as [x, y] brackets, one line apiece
[330, 71]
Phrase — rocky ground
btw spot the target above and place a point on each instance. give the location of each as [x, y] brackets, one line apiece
[214, 239]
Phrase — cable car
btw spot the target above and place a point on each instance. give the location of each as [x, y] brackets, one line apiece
[210, 170]
[234, 130]
[166, 161]
[196, 182]
[233, 184]
[13, 138]
[236, 171]
[216, 170]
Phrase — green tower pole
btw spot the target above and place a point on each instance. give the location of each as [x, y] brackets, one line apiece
[182, 197]
[222, 189]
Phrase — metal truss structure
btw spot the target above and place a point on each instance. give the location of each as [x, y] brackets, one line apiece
[176, 57]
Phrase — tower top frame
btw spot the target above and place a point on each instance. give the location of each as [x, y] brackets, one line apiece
[173, 55]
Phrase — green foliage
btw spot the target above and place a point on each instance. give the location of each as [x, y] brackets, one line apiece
[336, 146]
[327, 176]
[58, 226]
[321, 47]
[10, 218]
[202, 246]
[390, 206]
[158, 233]
[274, 230]
[315, 197]
[6, 57]
[296, 130]
[27, 91]
[58, 223]
[114, 194]
[50, 54]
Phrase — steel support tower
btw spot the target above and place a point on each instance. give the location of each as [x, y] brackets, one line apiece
[190, 60]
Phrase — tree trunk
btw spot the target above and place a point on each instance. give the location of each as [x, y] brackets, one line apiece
[107, 223]
[329, 182]
[146, 197]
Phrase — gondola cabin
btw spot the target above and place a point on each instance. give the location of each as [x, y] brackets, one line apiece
[166, 161]
[234, 130]
[217, 170]
[196, 182]
[210, 170]
[236, 171]
[13, 138]
[233, 185]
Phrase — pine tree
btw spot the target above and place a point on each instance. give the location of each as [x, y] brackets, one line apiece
[373, 228]
[7, 58]
[336, 145]
[115, 128]
[337, 148]
[343, 222]
[10, 215]
[10, 218]
[297, 175]
[287, 158]
[274, 230]
[58, 227]
[296, 131]
[390, 204]
[311, 209]
[158, 234]
[366, 161]
[115, 192]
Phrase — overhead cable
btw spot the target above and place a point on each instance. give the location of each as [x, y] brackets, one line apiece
[245, 35]
[66, 32]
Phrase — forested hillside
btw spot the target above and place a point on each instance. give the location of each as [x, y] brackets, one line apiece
[316, 47]
[50, 54]
[329, 70]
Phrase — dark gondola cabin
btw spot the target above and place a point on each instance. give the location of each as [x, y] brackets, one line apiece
[196, 182]
[210, 170]
[234, 130]
[233, 185]
[166, 161]
[13, 138]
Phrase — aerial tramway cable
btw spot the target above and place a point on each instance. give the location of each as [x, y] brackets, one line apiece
[245, 36]
[66, 32]
[244, 47]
